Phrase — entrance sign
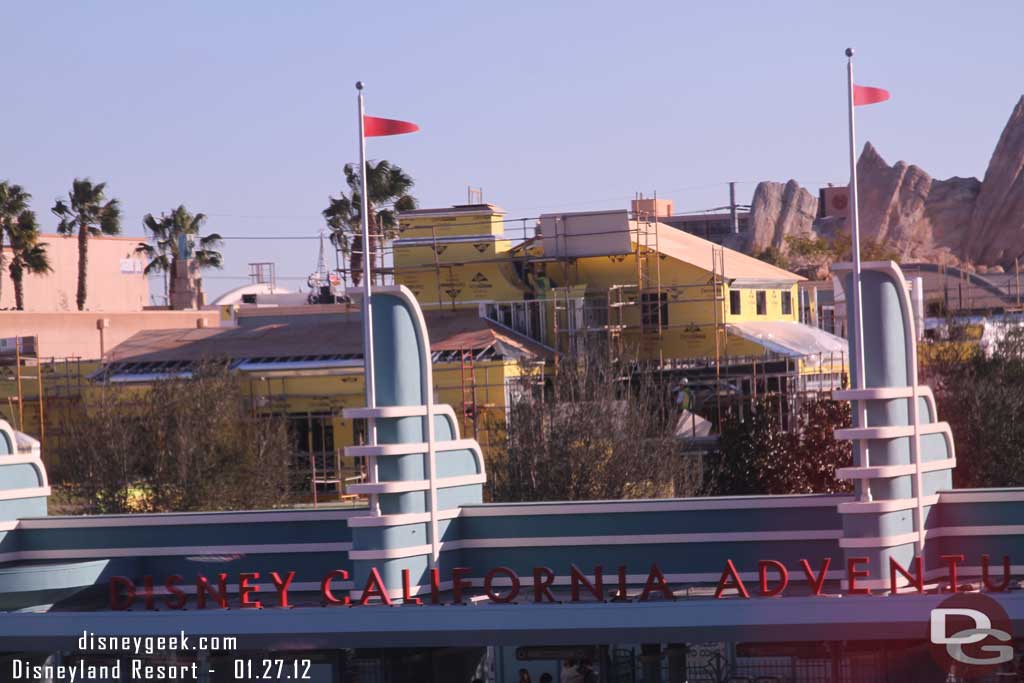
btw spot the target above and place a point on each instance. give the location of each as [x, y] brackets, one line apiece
[537, 587]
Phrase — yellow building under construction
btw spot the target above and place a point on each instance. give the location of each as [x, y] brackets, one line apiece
[610, 277]
[306, 363]
[502, 299]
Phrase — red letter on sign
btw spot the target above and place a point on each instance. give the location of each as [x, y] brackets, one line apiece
[147, 590]
[762, 572]
[917, 581]
[407, 598]
[375, 586]
[325, 587]
[1006, 574]
[220, 596]
[171, 584]
[458, 583]
[513, 591]
[577, 577]
[245, 589]
[117, 583]
[952, 561]
[435, 586]
[282, 587]
[730, 573]
[852, 574]
[622, 595]
[819, 581]
[656, 580]
[542, 580]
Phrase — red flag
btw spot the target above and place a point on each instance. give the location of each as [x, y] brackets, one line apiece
[375, 126]
[863, 94]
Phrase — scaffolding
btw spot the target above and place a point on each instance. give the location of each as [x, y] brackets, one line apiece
[319, 472]
[629, 313]
[467, 376]
[263, 273]
[648, 277]
[18, 356]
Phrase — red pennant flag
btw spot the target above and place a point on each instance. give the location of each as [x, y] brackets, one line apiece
[863, 94]
[375, 126]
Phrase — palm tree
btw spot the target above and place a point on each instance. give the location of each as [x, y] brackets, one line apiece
[28, 254]
[176, 235]
[13, 203]
[90, 214]
[388, 189]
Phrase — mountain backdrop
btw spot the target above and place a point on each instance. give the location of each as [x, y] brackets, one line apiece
[958, 221]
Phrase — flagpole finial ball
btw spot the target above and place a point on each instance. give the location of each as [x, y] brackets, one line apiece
[849, 52]
[359, 84]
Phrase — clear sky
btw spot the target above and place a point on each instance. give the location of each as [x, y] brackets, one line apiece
[246, 110]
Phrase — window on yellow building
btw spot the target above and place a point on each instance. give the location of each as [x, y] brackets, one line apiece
[762, 302]
[654, 305]
[735, 302]
[787, 303]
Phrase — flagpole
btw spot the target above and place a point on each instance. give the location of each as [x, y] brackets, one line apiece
[860, 377]
[368, 365]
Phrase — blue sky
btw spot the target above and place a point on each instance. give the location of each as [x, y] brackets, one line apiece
[245, 110]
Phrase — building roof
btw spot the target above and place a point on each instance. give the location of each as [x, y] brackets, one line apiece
[582, 234]
[689, 248]
[794, 340]
[457, 210]
[306, 342]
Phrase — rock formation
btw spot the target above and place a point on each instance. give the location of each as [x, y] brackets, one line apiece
[996, 234]
[903, 207]
[777, 211]
[957, 220]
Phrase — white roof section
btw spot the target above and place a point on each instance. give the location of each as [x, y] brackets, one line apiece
[790, 339]
[602, 233]
[739, 267]
[260, 289]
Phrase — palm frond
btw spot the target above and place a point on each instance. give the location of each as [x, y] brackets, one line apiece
[159, 264]
[209, 259]
[27, 222]
[196, 224]
[156, 226]
[110, 217]
[211, 240]
[36, 260]
[405, 203]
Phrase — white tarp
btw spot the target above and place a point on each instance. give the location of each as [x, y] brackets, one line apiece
[790, 339]
[692, 426]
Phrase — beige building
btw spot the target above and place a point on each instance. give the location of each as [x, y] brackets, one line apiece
[115, 279]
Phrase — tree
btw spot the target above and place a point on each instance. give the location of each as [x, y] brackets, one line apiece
[182, 444]
[820, 252]
[168, 232]
[773, 255]
[13, 207]
[600, 429]
[980, 397]
[759, 457]
[388, 189]
[88, 213]
[28, 255]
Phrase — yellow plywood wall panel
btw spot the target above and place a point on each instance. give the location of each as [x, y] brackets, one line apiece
[774, 304]
[462, 272]
[482, 223]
